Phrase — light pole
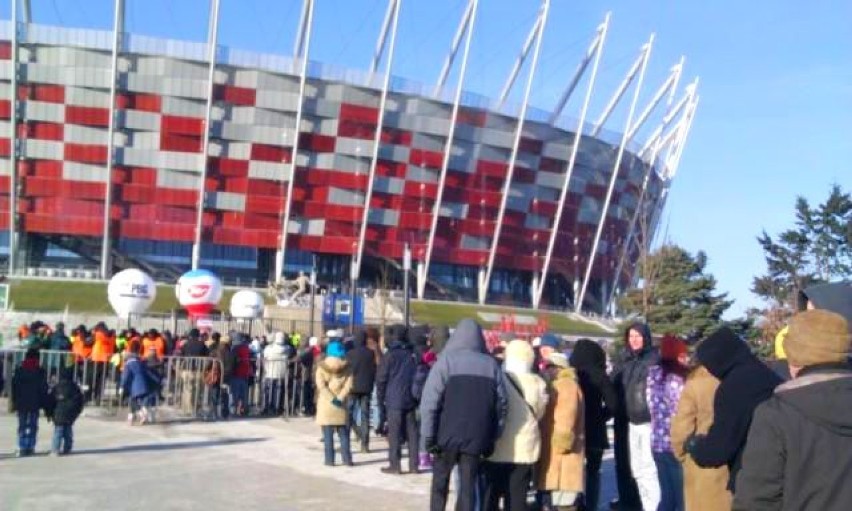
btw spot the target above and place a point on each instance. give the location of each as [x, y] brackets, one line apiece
[313, 291]
[352, 279]
[406, 268]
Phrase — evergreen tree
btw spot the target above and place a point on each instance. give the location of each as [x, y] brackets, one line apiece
[683, 298]
[817, 249]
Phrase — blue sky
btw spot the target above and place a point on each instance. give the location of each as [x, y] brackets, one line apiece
[776, 86]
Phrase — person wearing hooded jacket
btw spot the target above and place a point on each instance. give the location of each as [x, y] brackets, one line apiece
[333, 383]
[462, 413]
[65, 404]
[508, 471]
[635, 468]
[798, 455]
[745, 382]
[276, 359]
[393, 384]
[27, 398]
[362, 362]
[600, 402]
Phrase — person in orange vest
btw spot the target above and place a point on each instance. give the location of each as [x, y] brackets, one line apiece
[153, 341]
[79, 347]
[102, 350]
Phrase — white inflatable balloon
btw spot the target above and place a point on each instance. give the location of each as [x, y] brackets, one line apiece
[198, 291]
[131, 291]
[246, 304]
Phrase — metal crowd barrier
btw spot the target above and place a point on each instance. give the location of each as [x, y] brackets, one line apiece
[186, 387]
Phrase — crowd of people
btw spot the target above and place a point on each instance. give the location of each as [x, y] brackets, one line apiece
[696, 425]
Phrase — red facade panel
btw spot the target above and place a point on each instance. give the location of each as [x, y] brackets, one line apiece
[173, 124]
[241, 96]
[266, 152]
[42, 131]
[359, 113]
[5, 109]
[5, 50]
[180, 143]
[229, 167]
[86, 153]
[87, 116]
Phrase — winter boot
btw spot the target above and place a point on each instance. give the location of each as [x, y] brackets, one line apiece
[425, 461]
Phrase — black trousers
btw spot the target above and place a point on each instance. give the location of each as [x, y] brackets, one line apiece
[593, 479]
[468, 472]
[403, 423]
[508, 482]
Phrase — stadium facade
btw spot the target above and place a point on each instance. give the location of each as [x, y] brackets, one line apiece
[120, 150]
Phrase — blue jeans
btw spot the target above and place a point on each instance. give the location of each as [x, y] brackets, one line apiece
[359, 417]
[328, 442]
[273, 395]
[63, 435]
[239, 395]
[670, 474]
[27, 431]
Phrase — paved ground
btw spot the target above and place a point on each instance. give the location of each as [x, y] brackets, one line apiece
[268, 464]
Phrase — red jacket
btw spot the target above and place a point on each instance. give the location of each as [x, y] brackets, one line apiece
[242, 361]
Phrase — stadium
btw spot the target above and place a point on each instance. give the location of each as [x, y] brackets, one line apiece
[121, 150]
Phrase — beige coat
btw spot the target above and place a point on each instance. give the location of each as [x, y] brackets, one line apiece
[563, 438]
[521, 439]
[334, 380]
[705, 489]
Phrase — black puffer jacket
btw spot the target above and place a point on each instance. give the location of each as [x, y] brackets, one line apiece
[632, 375]
[65, 401]
[396, 376]
[599, 397]
[799, 451]
[362, 363]
[745, 383]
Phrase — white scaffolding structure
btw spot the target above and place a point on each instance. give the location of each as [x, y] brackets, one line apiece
[392, 17]
[303, 45]
[638, 69]
[465, 27]
[212, 38]
[106, 243]
[593, 54]
[536, 34]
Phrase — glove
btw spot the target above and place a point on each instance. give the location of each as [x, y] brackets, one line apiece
[691, 442]
[432, 447]
[120, 392]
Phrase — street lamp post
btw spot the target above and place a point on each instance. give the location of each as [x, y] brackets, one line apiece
[406, 268]
[313, 292]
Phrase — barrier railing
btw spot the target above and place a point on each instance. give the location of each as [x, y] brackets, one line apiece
[185, 388]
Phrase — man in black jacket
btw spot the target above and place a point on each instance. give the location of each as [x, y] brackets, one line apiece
[362, 363]
[745, 383]
[636, 472]
[393, 385]
[462, 411]
[799, 450]
[28, 397]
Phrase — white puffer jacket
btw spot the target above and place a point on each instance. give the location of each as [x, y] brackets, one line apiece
[275, 361]
[521, 439]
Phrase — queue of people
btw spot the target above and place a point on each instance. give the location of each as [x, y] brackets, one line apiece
[697, 425]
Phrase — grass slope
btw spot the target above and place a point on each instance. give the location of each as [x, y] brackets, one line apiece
[53, 295]
[451, 313]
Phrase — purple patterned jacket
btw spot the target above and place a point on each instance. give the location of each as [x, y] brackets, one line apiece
[663, 393]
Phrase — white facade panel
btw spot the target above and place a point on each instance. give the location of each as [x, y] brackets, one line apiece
[44, 149]
[82, 172]
[86, 97]
[78, 134]
[268, 170]
[139, 120]
[42, 111]
[179, 180]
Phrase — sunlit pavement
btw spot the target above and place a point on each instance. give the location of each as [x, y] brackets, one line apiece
[236, 465]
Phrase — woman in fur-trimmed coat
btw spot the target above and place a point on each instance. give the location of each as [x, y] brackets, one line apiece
[560, 469]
